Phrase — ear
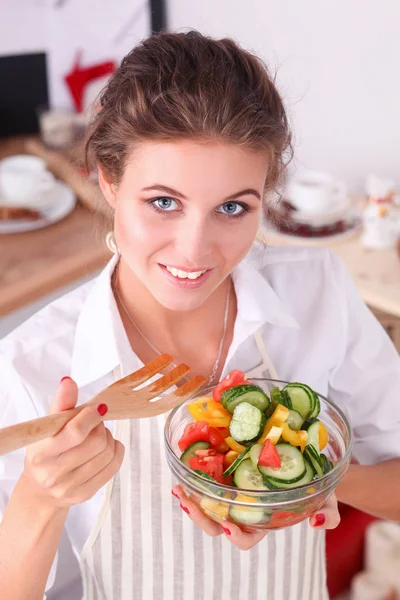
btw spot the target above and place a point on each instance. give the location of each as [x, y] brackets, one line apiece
[107, 188]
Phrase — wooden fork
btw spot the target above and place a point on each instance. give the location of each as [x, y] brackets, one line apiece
[123, 401]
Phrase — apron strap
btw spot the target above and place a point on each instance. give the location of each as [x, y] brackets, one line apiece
[266, 369]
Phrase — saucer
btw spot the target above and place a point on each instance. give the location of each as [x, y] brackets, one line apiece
[343, 220]
[55, 204]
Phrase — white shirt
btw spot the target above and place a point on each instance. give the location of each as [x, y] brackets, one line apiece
[316, 328]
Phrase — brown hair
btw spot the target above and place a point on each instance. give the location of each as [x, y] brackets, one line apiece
[187, 85]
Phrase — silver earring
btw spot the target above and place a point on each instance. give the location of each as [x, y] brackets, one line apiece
[111, 243]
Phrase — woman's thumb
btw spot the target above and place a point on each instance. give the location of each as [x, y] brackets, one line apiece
[66, 396]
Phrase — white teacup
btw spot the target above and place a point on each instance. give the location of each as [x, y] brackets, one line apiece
[315, 192]
[24, 180]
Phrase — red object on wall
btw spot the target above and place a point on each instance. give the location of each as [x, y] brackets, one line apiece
[345, 549]
[78, 77]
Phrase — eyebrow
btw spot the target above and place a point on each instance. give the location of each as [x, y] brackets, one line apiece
[172, 192]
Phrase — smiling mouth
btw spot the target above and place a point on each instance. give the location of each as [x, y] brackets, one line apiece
[181, 274]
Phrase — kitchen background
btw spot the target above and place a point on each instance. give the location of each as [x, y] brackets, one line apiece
[337, 69]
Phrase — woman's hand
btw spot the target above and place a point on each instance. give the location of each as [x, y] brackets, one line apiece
[71, 466]
[326, 518]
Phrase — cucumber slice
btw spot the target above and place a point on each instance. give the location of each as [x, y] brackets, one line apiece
[245, 393]
[317, 408]
[302, 398]
[326, 464]
[292, 467]
[294, 420]
[190, 451]
[247, 423]
[232, 468]
[312, 455]
[247, 477]
[255, 452]
[248, 515]
[280, 485]
[317, 405]
[313, 436]
[280, 397]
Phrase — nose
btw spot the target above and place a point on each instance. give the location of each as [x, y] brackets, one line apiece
[194, 242]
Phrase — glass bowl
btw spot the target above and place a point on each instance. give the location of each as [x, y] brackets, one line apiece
[260, 510]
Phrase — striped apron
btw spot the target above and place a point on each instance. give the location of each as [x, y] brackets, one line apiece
[144, 547]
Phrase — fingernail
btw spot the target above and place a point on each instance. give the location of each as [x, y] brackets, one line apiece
[319, 520]
[66, 377]
[185, 509]
[226, 531]
[102, 408]
[175, 494]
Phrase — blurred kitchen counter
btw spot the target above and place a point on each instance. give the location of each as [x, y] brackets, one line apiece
[376, 274]
[36, 263]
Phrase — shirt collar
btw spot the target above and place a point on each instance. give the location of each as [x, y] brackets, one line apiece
[101, 343]
[257, 301]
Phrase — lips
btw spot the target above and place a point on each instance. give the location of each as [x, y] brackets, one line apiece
[185, 279]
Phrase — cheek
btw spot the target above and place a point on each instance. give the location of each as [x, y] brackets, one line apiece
[237, 240]
[138, 232]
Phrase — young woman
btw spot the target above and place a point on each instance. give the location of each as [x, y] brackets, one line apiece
[190, 141]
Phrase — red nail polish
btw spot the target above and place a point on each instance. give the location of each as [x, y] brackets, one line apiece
[226, 531]
[102, 408]
[66, 377]
[175, 494]
[319, 520]
[185, 509]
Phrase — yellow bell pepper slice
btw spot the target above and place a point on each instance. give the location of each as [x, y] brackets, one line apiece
[274, 434]
[244, 498]
[296, 438]
[280, 414]
[323, 436]
[234, 445]
[207, 409]
[303, 435]
[230, 458]
[214, 509]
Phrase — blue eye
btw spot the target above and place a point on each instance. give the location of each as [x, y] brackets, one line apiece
[165, 204]
[231, 209]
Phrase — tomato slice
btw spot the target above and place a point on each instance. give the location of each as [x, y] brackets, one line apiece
[269, 456]
[212, 465]
[234, 378]
[217, 441]
[194, 432]
[224, 431]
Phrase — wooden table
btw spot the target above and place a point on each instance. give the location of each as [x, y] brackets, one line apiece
[376, 273]
[36, 263]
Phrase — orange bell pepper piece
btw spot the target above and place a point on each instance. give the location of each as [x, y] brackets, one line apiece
[207, 409]
[323, 436]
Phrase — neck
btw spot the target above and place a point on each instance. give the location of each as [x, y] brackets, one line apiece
[177, 333]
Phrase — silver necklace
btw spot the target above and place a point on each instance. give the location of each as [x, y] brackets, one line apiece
[148, 342]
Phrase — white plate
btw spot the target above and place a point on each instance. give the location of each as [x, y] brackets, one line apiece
[347, 209]
[59, 202]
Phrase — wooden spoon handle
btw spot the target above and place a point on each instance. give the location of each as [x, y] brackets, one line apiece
[29, 432]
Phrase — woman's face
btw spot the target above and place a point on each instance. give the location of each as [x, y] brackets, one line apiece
[186, 213]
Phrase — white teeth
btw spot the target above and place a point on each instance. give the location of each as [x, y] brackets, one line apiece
[184, 274]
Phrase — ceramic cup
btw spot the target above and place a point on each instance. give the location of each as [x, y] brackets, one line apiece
[315, 192]
[23, 180]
